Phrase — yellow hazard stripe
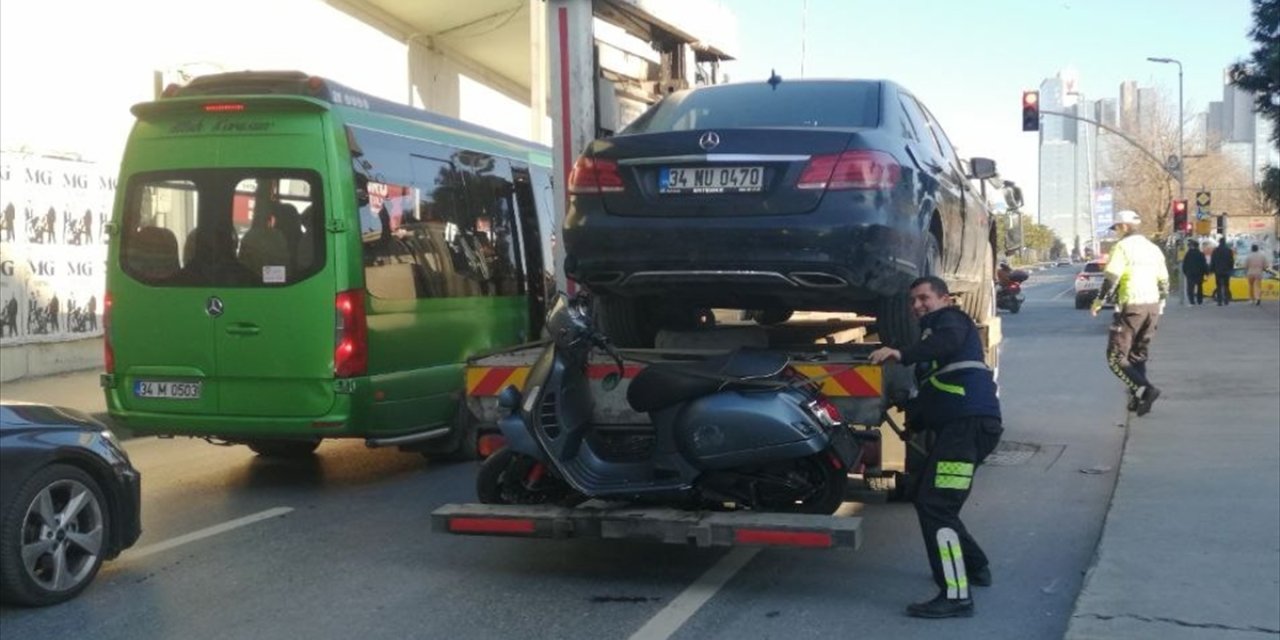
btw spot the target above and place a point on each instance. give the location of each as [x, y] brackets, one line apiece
[847, 382]
[490, 381]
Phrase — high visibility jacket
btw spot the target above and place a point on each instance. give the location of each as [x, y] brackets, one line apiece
[952, 379]
[1137, 270]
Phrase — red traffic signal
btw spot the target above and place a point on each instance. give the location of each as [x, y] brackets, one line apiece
[1180, 222]
[1030, 110]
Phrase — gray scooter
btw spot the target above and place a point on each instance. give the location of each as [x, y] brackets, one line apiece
[741, 430]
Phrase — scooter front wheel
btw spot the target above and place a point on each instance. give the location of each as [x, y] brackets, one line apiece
[507, 477]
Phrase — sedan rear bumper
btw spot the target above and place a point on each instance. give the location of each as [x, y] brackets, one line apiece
[814, 261]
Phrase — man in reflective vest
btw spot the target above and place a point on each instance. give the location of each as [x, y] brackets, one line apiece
[1137, 281]
[957, 405]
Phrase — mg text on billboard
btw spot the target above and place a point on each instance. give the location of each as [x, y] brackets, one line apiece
[52, 248]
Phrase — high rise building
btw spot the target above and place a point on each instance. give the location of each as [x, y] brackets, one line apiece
[1214, 124]
[1149, 111]
[1237, 113]
[1129, 106]
[1052, 98]
[1105, 112]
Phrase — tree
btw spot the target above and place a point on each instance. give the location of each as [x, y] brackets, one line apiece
[1261, 75]
[1142, 185]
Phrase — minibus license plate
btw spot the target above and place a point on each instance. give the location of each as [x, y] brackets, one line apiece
[711, 180]
[167, 389]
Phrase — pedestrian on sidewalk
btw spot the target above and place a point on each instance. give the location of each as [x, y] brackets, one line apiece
[1137, 281]
[957, 403]
[1254, 264]
[1194, 268]
[1222, 264]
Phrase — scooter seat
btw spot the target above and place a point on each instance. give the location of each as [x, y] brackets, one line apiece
[664, 384]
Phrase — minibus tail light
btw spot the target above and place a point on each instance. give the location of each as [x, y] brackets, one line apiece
[351, 335]
[108, 351]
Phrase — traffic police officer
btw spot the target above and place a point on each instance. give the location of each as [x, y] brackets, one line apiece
[957, 403]
[1137, 281]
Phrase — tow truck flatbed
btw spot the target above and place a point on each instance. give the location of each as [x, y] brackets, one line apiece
[619, 521]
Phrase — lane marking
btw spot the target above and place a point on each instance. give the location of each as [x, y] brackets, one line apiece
[151, 549]
[667, 621]
[1070, 289]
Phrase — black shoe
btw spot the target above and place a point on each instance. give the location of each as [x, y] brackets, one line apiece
[980, 577]
[1148, 398]
[941, 607]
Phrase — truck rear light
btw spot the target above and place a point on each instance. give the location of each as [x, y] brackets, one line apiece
[783, 538]
[350, 335]
[593, 176]
[859, 169]
[489, 443]
[108, 351]
[512, 526]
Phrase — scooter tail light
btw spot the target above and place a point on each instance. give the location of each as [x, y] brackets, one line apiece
[825, 411]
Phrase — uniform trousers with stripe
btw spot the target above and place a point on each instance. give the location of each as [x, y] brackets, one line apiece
[942, 486]
[1132, 328]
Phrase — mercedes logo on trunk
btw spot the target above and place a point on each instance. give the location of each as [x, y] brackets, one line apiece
[709, 140]
[213, 306]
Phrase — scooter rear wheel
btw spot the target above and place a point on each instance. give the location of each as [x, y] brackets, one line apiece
[828, 479]
[507, 477]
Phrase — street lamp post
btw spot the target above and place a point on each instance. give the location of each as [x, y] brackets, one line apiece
[1181, 176]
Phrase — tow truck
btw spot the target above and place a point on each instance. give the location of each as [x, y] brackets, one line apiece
[593, 95]
[830, 349]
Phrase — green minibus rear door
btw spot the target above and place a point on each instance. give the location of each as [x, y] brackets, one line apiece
[239, 301]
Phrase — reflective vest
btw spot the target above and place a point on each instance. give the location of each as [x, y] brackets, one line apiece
[1137, 267]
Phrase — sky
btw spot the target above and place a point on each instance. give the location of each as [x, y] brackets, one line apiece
[970, 60]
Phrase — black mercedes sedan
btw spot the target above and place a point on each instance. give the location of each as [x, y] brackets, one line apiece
[69, 499]
[776, 196]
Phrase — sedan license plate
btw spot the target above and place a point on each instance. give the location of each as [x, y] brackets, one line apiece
[711, 180]
[170, 389]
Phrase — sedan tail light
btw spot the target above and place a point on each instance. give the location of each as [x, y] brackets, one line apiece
[860, 169]
[592, 176]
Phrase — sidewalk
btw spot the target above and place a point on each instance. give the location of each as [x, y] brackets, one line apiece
[1191, 545]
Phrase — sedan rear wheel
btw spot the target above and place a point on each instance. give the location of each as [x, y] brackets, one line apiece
[54, 537]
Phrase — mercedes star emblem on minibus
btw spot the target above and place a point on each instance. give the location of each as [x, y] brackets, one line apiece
[709, 140]
[213, 306]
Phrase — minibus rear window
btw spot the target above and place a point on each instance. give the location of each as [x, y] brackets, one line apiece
[223, 227]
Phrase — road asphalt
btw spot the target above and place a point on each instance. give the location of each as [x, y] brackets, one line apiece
[1191, 544]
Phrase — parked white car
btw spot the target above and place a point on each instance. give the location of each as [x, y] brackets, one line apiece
[1089, 282]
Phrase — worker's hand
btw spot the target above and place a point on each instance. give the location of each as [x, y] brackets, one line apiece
[884, 353]
[1095, 307]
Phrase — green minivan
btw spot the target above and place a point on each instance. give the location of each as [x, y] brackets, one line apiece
[292, 260]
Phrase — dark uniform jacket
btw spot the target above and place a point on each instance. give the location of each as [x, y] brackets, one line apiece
[1223, 260]
[1194, 264]
[968, 389]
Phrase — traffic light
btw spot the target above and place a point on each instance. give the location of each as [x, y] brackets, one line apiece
[1180, 224]
[1030, 110]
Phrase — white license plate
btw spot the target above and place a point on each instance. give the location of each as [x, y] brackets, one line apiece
[171, 389]
[711, 180]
